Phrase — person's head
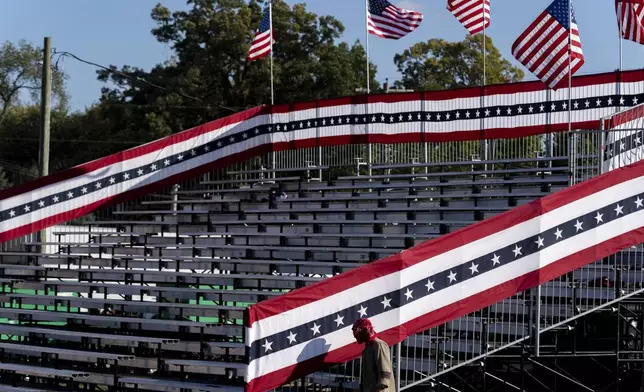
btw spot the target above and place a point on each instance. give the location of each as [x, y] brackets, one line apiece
[363, 331]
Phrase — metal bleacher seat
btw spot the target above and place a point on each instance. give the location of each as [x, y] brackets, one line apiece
[164, 291]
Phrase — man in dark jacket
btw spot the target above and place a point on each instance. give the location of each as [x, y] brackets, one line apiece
[376, 371]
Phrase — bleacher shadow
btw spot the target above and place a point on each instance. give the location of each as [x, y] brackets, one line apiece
[307, 360]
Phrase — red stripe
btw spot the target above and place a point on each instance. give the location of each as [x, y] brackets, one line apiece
[133, 153]
[454, 311]
[447, 242]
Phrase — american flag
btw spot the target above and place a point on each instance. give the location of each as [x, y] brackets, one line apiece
[388, 21]
[543, 47]
[474, 15]
[446, 278]
[630, 18]
[261, 45]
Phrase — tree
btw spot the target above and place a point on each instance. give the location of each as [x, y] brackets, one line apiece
[20, 77]
[210, 76]
[438, 65]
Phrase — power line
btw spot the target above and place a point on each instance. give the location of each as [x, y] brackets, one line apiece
[131, 77]
[77, 140]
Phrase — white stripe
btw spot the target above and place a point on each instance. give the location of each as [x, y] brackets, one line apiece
[450, 295]
[442, 262]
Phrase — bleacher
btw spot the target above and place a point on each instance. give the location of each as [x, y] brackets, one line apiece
[159, 304]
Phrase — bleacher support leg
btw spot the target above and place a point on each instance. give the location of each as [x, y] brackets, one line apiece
[398, 357]
[537, 320]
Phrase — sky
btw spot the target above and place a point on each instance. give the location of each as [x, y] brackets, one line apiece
[118, 32]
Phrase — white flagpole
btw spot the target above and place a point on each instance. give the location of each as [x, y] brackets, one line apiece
[484, 143]
[621, 27]
[366, 16]
[369, 148]
[270, 15]
[570, 67]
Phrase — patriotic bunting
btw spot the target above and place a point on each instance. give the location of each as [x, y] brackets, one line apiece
[512, 110]
[624, 138]
[445, 278]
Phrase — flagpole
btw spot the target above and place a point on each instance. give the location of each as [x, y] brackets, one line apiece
[571, 140]
[270, 16]
[484, 143]
[369, 148]
[621, 41]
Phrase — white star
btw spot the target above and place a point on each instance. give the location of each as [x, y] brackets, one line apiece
[27, 208]
[112, 180]
[598, 217]
[84, 190]
[391, 118]
[315, 329]
[539, 242]
[496, 260]
[256, 133]
[408, 294]
[386, 302]
[400, 117]
[41, 203]
[180, 156]
[140, 172]
[587, 103]
[517, 251]
[232, 139]
[622, 146]
[98, 185]
[166, 162]
[576, 104]
[362, 311]
[531, 109]
[638, 202]
[458, 114]
[291, 337]
[558, 233]
[564, 105]
[467, 114]
[323, 123]
[193, 152]
[429, 285]
[438, 116]
[474, 268]
[419, 116]
[498, 111]
[452, 276]
[509, 110]
[638, 140]
[621, 100]
[429, 116]
[308, 123]
[409, 117]
[153, 167]
[206, 148]
[280, 127]
[553, 107]
[478, 114]
[447, 115]
[520, 109]
[610, 101]
[598, 102]
[12, 213]
[541, 107]
[578, 225]
[302, 125]
[219, 144]
[382, 117]
[487, 112]
[268, 346]
[635, 101]
[339, 321]
[373, 118]
[55, 199]
[619, 210]
[70, 195]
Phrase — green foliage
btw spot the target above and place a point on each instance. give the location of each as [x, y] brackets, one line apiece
[210, 75]
[438, 65]
[21, 74]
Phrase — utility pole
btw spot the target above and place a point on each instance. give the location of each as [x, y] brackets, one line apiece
[45, 121]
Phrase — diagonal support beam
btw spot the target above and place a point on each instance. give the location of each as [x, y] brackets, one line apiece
[560, 375]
